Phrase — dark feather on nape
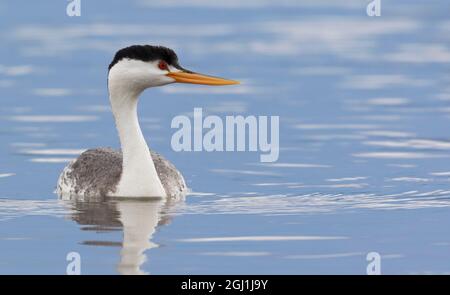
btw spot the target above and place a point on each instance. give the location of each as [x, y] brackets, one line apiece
[146, 53]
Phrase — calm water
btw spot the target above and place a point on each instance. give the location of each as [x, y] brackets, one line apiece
[364, 106]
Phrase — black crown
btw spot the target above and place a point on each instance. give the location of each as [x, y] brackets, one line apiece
[146, 53]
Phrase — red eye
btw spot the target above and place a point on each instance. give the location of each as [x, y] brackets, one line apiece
[162, 65]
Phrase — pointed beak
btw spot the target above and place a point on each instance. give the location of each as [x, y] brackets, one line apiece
[194, 78]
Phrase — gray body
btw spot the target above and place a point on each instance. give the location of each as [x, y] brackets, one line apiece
[96, 173]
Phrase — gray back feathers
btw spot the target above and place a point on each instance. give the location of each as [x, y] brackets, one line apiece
[96, 173]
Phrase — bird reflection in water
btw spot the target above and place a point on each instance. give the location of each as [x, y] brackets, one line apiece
[137, 218]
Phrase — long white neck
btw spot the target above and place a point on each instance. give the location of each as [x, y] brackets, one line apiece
[139, 177]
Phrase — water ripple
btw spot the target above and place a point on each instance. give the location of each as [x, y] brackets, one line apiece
[316, 203]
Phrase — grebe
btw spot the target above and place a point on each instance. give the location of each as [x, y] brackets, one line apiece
[135, 171]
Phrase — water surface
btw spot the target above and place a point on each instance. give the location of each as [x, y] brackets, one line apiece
[364, 106]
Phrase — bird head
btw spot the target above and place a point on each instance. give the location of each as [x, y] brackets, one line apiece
[144, 66]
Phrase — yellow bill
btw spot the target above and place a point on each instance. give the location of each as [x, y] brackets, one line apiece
[193, 78]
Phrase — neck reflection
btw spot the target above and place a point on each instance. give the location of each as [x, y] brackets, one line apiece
[138, 219]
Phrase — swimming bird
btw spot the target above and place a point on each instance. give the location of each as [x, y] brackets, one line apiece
[135, 171]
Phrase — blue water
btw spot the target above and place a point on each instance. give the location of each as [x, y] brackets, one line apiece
[364, 166]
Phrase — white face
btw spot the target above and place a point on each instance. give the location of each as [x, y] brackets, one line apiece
[139, 75]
